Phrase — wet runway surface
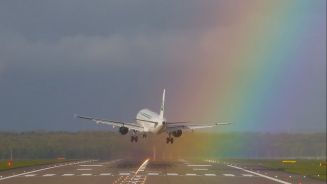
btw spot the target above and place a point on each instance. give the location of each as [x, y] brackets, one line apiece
[122, 171]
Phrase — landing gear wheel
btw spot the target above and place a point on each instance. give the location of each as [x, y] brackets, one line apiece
[134, 138]
[170, 140]
[144, 136]
[167, 140]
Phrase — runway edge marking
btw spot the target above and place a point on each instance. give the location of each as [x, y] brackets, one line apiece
[264, 176]
[43, 169]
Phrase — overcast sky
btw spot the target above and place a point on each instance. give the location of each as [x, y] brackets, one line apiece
[62, 57]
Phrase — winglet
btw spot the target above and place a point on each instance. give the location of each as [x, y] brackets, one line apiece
[162, 108]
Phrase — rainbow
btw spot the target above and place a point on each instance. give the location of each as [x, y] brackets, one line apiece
[244, 72]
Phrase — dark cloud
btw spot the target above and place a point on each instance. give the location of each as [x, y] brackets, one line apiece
[97, 57]
[55, 19]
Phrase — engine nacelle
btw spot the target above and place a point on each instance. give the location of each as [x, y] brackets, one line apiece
[177, 133]
[123, 130]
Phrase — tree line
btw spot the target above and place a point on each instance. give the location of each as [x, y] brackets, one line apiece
[108, 145]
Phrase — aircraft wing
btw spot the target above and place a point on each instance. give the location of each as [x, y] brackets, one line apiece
[131, 126]
[171, 127]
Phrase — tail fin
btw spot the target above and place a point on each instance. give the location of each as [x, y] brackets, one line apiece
[162, 108]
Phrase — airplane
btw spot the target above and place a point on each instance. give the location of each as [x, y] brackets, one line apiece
[148, 122]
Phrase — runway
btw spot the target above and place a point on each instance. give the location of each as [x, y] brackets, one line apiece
[123, 171]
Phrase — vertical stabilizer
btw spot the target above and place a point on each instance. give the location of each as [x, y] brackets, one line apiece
[162, 108]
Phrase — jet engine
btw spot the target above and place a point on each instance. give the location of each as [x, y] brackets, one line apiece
[123, 130]
[177, 133]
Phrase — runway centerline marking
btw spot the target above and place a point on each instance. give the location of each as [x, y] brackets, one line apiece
[153, 174]
[30, 175]
[87, 169]
[172, 174]
[105, 174]
[47, 175]
[199, 169]
[98, 165]
[229, 175]
[86, 174]
[210, 174]
[247, 175]
[47, 168]
[190, 174]
[68, 174]
[258, 174]
[201, 165]
[124, 174]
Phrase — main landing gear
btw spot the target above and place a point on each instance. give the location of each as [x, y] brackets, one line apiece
[170, 140]
[134, 138]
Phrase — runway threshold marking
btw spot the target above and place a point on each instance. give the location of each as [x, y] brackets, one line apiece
[258, 174]
[47, 168]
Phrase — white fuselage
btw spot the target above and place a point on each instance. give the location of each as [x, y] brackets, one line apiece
[151, 121]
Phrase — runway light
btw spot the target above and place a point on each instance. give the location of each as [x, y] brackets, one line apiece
[289, 161]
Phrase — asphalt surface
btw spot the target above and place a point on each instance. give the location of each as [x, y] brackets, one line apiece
[124, 171]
